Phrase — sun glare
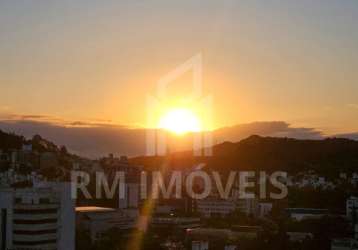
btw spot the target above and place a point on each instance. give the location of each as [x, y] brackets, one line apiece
[180, 121]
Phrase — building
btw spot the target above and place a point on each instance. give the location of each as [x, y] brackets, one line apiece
[209, 238]
[6, 206]
[247, 206]
[227, 239]
[172, 222]
[212, 207]
[131, 197]
[352, 205]
[299, 236]
[199, 245]
[264, 209]
[247, 232]
[98, 220]
[344, 244]
[306, 213]
[37, 218]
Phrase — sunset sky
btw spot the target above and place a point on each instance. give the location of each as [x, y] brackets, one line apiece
[96, 61]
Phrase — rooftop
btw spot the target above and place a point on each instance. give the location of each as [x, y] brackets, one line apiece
[307, 210]
[94, 209]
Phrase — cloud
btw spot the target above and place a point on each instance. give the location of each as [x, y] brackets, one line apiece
[270, 128]
[98, 139]
[19, 117]
[90, 141]
[353, 136]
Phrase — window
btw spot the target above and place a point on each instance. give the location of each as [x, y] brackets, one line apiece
[32, 243]
[39, 232]
[26, 222]
[37, 211]
[44, 200]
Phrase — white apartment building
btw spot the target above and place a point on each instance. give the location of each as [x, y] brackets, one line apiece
[37, 218]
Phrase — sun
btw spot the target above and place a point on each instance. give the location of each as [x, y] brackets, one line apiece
[180, 121]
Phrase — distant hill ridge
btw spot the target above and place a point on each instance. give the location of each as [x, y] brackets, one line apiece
[328, 156]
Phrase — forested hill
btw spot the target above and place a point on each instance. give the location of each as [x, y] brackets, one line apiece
[11, 141]
[329, 156]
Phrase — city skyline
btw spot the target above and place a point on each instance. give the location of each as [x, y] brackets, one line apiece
[179, 125]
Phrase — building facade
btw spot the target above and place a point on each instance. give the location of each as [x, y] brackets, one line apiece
[96, 221]
[352, 208]
[37, 218]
